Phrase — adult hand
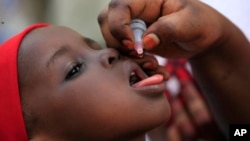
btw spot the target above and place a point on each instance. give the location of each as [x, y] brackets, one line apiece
[176, 28]
[192, 119]
[150, 66]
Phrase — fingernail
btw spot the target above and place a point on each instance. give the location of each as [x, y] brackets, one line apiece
[150, 41]
[128, 44]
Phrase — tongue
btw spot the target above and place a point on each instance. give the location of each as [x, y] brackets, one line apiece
[155, 79]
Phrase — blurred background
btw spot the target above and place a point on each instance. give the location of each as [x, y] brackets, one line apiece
[81, 15]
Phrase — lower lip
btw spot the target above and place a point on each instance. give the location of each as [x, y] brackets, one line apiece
[151, 90]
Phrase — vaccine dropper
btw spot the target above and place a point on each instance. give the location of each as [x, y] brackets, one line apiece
[139, 27]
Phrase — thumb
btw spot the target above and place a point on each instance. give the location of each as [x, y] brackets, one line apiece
[150, 41]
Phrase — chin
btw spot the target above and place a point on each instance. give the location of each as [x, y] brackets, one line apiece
[159, 115]
[163, 116]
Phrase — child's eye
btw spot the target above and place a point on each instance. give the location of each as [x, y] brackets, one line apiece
[74, 71]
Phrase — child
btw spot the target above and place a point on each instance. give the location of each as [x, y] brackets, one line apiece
[57, 85]
[216, 49]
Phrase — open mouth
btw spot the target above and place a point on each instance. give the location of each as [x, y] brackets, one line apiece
[138, 78]
[142, 83]
[134, 78]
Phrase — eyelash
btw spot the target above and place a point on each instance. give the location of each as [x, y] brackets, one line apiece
[74, 71]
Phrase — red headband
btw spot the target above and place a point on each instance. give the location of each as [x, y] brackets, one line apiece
[12, 127]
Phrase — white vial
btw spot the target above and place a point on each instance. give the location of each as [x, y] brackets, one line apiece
[139, 27]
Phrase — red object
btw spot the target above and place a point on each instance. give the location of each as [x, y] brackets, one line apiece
[176, 67]
[12, 127]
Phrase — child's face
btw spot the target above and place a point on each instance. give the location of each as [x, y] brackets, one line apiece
[75, 89]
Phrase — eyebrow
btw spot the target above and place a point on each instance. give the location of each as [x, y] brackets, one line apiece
[91, 43]
[61, 51]
[65, 48]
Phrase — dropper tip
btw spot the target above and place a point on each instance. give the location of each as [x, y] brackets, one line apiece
[139, 49]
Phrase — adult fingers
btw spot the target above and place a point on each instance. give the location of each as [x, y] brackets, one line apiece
[200, 114]
[151, 66]
[182, 120]
[195, 104]
[116, 18]
[182, 33]
[174, 34]
[110, 40]
[148, 62]
[173, 133]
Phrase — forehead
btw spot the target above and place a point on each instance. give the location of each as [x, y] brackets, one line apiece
[45, 41]
[54, 35]
[40, 44]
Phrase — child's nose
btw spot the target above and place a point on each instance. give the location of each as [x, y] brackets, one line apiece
[109, 56]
